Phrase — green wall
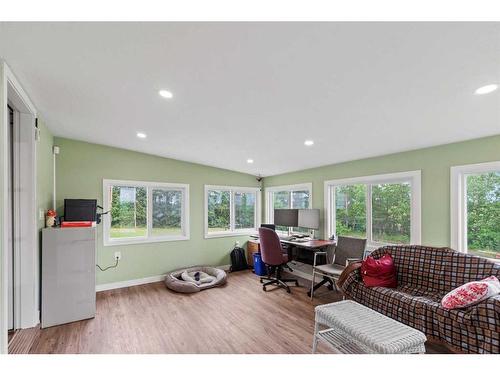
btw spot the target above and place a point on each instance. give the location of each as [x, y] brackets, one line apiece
[434, 162]
[82, 166]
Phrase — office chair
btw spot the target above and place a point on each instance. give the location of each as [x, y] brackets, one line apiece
[347, 250]
[273, 256]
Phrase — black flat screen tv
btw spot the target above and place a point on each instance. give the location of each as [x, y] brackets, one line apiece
[286, 217]
[80, 209]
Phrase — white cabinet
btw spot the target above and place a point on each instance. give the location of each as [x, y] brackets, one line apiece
[68, 275]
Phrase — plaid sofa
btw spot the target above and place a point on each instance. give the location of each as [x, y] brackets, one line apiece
[425, 275]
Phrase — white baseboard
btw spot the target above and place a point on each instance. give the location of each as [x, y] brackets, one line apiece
[127, 283]
[145, 280]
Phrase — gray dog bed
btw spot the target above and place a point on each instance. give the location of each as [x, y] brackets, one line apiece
[187, 280]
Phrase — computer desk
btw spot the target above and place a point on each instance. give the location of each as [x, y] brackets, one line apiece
[253, 246]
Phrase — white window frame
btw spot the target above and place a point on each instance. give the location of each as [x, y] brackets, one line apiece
[458, 200]
[412, 177]
[149, 212]
[269, 191]
[234, 232]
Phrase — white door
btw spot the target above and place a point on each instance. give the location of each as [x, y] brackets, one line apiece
[10, 227]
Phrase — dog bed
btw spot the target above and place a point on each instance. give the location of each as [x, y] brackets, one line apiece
[194, 279]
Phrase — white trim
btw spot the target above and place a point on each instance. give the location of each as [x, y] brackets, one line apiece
[16, 85]
[305, 185]
[28, 256]
[145, 280]
[4, 191]
[269, 214]
[413, 177]
[12, 91]
[458, 204]
[149, 185]
[128, 283]
[379, 178]
[232, 232]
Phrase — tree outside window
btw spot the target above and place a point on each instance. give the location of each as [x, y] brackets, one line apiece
[350, 210]
[219, 215]
[128, 211]
[483, 214]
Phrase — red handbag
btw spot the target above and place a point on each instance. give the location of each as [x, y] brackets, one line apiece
[379, 272]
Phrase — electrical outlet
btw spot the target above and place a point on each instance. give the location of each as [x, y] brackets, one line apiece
[118, 255]
[237, 244]
[41, 214]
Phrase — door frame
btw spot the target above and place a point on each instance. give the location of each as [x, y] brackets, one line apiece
[26, 256]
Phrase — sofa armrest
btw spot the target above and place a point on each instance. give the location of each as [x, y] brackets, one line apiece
[349, 275]
[486, 314]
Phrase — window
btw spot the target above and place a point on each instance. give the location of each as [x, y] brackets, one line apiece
[231, 211]
[383, 208]
[475, 209]
[145, 212]
[291, 196]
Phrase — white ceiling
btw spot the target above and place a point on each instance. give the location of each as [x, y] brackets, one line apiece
[258, 90]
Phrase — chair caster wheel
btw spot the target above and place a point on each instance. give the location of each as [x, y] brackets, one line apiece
[288, 291]
[309, 294]
[264, 288]
[261, 281]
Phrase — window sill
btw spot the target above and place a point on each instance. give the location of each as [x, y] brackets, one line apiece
[372, 246]
[145, 240]
[229, 234]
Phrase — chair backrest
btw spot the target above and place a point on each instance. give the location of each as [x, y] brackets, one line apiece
[270, 247]
[349, 248]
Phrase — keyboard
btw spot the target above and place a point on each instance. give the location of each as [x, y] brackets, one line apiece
[295, 239]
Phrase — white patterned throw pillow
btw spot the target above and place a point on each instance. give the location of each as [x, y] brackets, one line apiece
[471, 293]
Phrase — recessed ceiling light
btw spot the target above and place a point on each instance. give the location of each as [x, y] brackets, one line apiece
[141, 135]
[249, 161]
[308, 142]
[486, 89]
[166, 94]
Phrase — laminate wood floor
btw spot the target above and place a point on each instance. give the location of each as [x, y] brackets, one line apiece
[236, 318]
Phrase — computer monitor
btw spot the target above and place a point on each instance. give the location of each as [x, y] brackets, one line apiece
[269, 226]
[286, 217]
[80, 209]
[308, 218]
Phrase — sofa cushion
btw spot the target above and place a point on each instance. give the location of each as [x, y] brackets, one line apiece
[395, 303]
